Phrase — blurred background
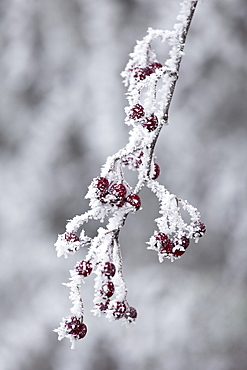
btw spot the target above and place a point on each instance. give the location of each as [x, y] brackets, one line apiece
[61, 114]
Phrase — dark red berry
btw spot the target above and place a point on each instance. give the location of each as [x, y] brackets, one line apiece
[134, 200]
[84, 268]
[76, 328]
[109, 269]
[136, 112]
[118, 190]
[104, 305]
[142, 73]
[155, 65]
[151, 123]
[101, 184]
[71, 237]
[131, 314]
[199, 229]
[165, 245]
[107, 289]
[119, 310]
[156, 172]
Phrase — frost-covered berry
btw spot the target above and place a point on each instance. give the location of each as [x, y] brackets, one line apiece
[71, 237]
[119, 309]
[199, 229]
[130, 314]
[109, 269]
[136, 112]
[165, 245]
[142, 73]
[134, 200]
[155, 65]
[118, 190]
[156, 172]
[107, 289]
[101, 184]
[76, 328]
[104, 305]
[151, 122]
[84, 268]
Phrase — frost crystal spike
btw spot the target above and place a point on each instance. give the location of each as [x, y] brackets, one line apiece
[111, 198]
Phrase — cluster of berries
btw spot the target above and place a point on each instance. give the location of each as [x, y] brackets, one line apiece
[137, 113]
[114, 194]
[140, 73]
[176, 247]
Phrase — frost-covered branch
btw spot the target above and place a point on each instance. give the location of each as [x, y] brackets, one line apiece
[112, 199]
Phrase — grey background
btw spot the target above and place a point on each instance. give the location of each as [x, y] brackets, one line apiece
[61, 114]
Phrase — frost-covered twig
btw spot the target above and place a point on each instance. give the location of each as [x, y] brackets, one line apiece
[113, 199]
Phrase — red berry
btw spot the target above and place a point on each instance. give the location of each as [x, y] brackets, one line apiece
[118, 190]
[134, 200]
[71, 237]
[107, 289]
[101, 184]
[84, 268]
[165, 245]
[109, 269]
[75, 327]
[131, 314]
[155, 65]
[199, 229]
[104, 305]
[156, 172]
[119, 310]
[142, 73]
[151, 123]
[136, 112]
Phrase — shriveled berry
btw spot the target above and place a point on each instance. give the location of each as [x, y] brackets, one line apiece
[131, 314]
[136, 112]
[109, 269]
[134, 200]
[151, 122]
[118, 190]
[71, 237]
[107, 289]
[199, 229]
[119, 310]
[156, 172]
[84, 268]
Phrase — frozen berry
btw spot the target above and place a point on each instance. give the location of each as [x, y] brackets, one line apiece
[75, 327]
[155, 65]
[142, 73]
[84, 268]
[104, 305]
[107, 289]
[156, 172]
[165, 245]
[119, 310]
[118, 190]
[109, 269]
[199, 229]
[151, 123]
[101, 184]
[134, 200]
[136, 112]
[71, 237]
[131, 314]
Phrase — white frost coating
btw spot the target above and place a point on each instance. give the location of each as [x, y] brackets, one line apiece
[110, 196]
